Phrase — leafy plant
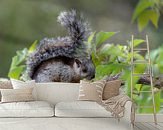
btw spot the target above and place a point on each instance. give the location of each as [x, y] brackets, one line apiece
[111, 59]
[18, 66]
[147, 11]
[156, 59]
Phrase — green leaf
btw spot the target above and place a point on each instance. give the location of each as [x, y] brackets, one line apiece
[156, 70]
[107, 69]
[104, 69]
[141, 6]
[95, 59]
[146, 16]
[138, 42]
[139, 68]
[110, 49]
[19, 58]
[159, 58]
[138, 87]
[33, 46]
[101, 37]
[91, 47]
[90, 38]
[16, 72]
[154, 17]
[158, 101]
[153, 55]
[16, 67]
[138, 56]
[143, 20]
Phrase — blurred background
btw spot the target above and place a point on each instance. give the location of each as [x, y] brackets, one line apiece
[24, 21]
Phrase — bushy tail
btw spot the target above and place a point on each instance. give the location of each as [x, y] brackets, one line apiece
[71, 47]
[78, 29]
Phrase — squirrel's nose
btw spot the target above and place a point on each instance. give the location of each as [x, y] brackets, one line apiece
[93, 76]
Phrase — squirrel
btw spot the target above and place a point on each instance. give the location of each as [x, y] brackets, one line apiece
[63, 59]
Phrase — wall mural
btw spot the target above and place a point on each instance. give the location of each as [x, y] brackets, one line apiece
[63, 59]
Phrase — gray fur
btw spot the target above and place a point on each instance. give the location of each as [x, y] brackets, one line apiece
[48, 64]
[58, 71]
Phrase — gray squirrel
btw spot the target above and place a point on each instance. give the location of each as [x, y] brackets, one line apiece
[63, 59]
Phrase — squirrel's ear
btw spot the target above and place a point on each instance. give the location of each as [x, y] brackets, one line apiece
[78, 62]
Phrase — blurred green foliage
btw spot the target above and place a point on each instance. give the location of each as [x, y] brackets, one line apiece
[157, 61]
[147, 11]
[21, 22]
